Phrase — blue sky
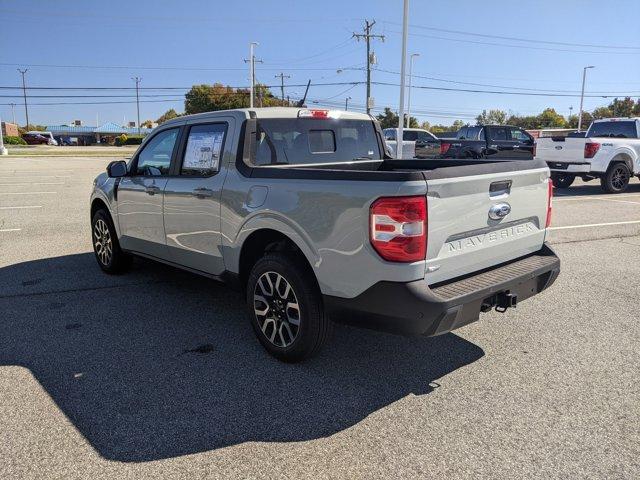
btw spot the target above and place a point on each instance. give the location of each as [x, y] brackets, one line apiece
[178, 44]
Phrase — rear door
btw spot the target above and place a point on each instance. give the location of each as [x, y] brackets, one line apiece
[140, 195]
[484, 219]
[192, 196]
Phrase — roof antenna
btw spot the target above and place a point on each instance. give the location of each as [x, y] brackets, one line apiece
[301, 102]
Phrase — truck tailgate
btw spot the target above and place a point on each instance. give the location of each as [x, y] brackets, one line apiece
[463, 238]
[560, 149]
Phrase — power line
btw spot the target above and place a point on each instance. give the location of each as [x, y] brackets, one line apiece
[135, 67]
[517, 39]
[495, 44]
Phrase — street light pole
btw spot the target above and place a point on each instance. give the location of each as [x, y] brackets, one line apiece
[403, 78]
[346, 103]
[13, 113]
[584, 76]
[413, 55]
[570, 112]
[24, 94]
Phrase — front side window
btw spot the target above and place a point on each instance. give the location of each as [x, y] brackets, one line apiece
[613, 130]
[520, 136]
[155, 157]
[204, 150]
[390, 134]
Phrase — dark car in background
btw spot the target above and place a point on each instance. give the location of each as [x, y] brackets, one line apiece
[495, 142]
[35, 139]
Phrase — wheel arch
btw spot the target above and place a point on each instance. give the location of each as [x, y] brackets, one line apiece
[626, 158]
[262, 241]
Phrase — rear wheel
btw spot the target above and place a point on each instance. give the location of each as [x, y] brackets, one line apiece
[106, 248]
[286, 308]
[616, 179]
[562, 180]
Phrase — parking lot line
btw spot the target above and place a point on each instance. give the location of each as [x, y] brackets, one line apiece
[28, 193]
[570, 198]
[10, 229]
[33, 183]
[615, 200]
[20, 207]
[630, 222]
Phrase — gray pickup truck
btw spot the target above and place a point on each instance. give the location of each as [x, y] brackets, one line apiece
[305, 211]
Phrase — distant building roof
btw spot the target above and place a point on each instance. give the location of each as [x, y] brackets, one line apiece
[109, 128]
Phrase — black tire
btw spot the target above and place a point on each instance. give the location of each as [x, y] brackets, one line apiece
[616, 180]
[103, 235]
[562, 180]
[280, 337]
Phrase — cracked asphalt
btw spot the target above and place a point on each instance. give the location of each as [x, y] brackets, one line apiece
[156, 374]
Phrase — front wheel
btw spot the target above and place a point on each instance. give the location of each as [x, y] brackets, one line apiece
[616, 180]
[106, 247]
[562, 180]
[286, 308]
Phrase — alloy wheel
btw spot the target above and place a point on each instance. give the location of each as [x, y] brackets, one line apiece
[276, 309]
[102, 242]
[620, 178]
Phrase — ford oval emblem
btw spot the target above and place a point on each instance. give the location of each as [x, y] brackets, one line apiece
[499, 211]
[558, 147]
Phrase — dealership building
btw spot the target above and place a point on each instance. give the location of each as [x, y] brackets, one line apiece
[105, 133]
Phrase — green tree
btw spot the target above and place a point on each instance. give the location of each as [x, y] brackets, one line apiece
[623, 108]
[207, 98]
[147, 124]
[389, 119]
[549, 118]
[496, 117]
[168, 115]
[602, 112]
[587, 118]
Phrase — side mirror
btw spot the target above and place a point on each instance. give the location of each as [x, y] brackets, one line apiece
[117, 169]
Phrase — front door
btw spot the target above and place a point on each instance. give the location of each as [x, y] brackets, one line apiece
[192, 197]
[140, 196]
[427, 146]
[499, 144]
[523, 144]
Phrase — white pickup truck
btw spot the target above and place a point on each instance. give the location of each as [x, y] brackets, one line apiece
[610, 151]
[416, 143]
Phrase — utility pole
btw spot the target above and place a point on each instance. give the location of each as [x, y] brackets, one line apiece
[3, 151]
[413, 55]
[367, 35]
[346, 103]
[282, 76]
[13, 112]
[24, 94]
[137, 80]
[570, 112]
[403, 78]
[252, 70]
[584, 77]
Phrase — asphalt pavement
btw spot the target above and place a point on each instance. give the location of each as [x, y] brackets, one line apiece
[156, 373]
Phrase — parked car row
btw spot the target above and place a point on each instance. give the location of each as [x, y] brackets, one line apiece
[490, 142]
[39, 138]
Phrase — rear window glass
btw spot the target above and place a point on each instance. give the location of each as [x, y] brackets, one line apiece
[293, 141]
[613, 129]
[322, 141]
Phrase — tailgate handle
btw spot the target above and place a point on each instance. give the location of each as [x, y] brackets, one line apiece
[500, 188]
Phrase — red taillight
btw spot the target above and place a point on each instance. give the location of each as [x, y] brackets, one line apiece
[590, 149]
[398, 228]
[535, 149]
[444, 148]
[549, 203]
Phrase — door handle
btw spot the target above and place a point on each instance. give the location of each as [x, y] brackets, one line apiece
[152, 189]
[202, 192]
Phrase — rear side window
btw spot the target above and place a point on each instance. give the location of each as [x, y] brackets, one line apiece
[410, 135]
[299, 141]
[390, 133]
[520, 136]
[204, 149]
[499, 133]
[613, 130]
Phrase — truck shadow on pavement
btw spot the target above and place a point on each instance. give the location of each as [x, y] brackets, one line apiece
[593, 188]
[160, 363]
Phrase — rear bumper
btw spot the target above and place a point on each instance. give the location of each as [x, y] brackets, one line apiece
[414, 308]
[570, 167]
